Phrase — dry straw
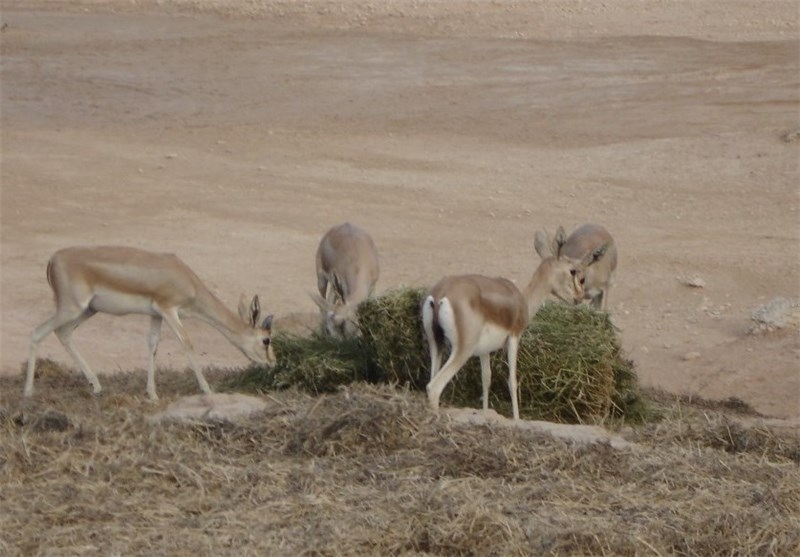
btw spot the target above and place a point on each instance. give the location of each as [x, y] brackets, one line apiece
[570, 366]
[369, 470]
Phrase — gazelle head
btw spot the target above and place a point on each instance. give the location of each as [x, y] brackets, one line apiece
[341, 320]
[565, 277]
[257, 342]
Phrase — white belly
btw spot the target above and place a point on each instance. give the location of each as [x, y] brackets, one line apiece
[116, 303]
[492, 338]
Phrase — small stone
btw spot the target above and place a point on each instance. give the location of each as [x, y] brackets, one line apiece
[691, 356]
[694, 282]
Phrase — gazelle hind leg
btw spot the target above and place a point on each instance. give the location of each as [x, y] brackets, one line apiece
[486, 378]
[437, 384]
[61, 318]
[175, 324]
[153, 339]
[460, 352]
[513, 349]
[433, 345]
[39, 333]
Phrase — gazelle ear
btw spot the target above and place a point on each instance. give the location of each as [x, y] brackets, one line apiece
[243, 312]
[336, 282]
[594, 256]
[267, 324]
[541, 243]
[255, 310]
[559, 241]
[321, 302]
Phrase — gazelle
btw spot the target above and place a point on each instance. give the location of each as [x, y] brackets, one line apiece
[121, 281]
[478, 315]
[592, 245]
[347, 270]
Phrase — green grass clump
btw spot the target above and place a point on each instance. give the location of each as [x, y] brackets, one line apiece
[317, 363]
[570, 365]
[392, 334]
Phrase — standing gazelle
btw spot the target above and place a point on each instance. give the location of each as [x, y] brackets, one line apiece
[347, 270]
[121, 281]
[592, 245]
[478, 315]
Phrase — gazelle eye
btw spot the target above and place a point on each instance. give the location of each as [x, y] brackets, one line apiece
[573, 272]
[583, 280]
[266, 341]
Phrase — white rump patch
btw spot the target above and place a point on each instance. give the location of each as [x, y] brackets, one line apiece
[447, 321]
[427, 315]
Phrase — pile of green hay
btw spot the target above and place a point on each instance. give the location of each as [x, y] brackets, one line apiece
[570, 366]
[317, 363]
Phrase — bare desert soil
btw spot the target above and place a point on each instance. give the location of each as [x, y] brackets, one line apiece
[236, 133]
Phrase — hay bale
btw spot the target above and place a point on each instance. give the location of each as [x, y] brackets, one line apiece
[317, 363]
[570, 365]
[391, 329]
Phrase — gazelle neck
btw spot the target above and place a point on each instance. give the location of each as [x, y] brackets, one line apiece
[538, 288]
[210, 309]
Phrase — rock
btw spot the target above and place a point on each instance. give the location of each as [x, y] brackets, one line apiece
[691, 356]
[569, 433]
[228, 407]
[778, 313]
[694, 282]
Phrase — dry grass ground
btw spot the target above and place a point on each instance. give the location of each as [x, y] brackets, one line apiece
[371, 471]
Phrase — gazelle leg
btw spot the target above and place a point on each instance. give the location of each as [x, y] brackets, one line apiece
[61, 318]
[39, 333]
[513, 348]
[437, 383]
[64, 334]
[153, 339]
[433, 345]
[175, 324]
[486, 378]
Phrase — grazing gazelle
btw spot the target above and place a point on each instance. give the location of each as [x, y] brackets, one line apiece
[347, 270]
[121, 281]
[478, 315]
[592, 245]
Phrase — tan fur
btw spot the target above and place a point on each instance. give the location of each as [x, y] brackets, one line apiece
[347, 271]
[497, 300]
[583, 245]
[490, 313]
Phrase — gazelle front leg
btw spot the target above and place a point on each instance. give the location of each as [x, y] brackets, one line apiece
[153, 339]
[511, 353]
[175, 324]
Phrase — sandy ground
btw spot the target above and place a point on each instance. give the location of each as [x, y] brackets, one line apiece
[234, 134]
